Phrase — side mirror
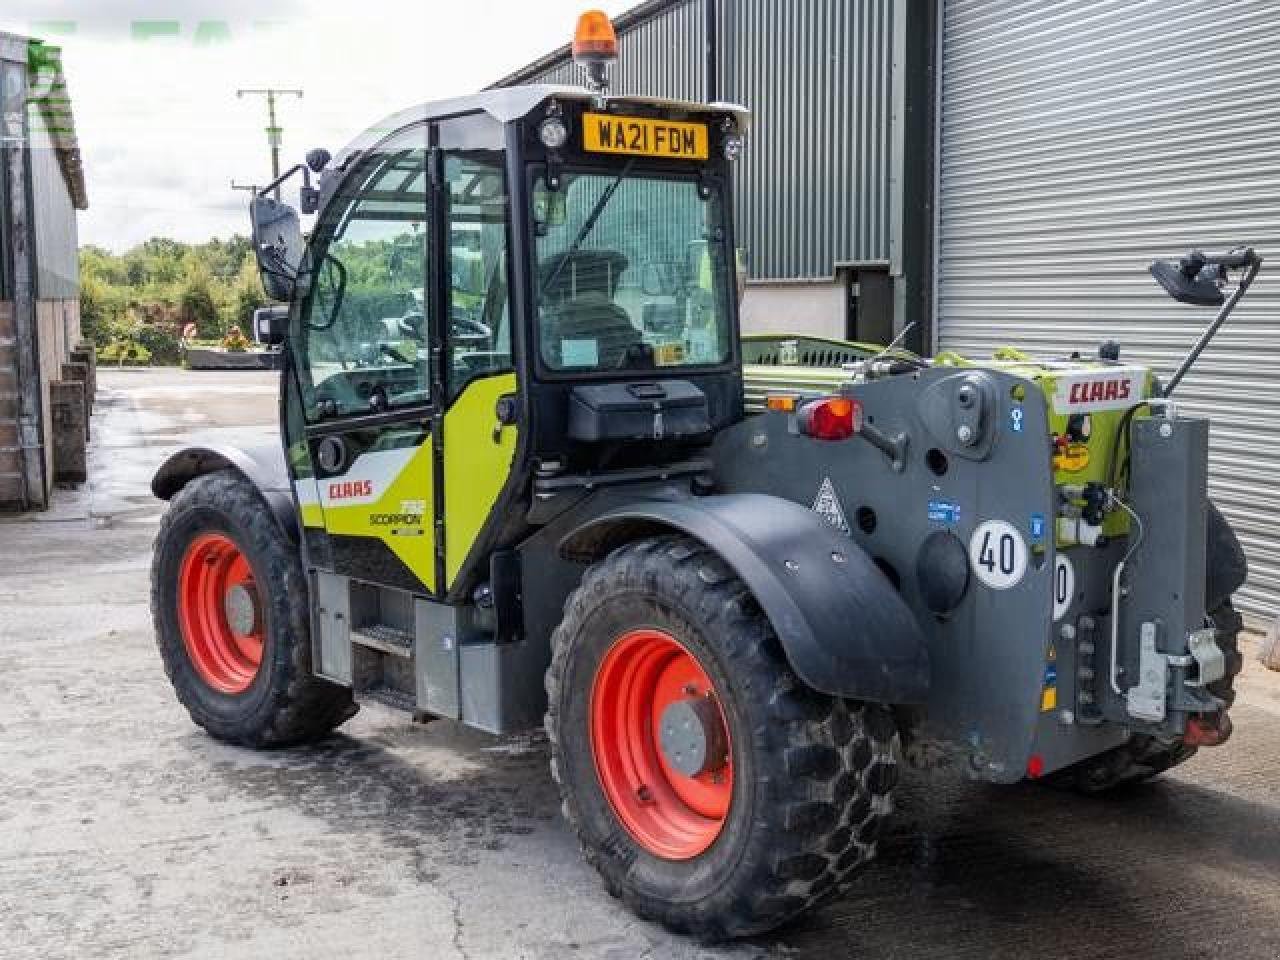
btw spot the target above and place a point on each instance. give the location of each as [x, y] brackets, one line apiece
[277, 243]
[1193, 280]
[270, 325]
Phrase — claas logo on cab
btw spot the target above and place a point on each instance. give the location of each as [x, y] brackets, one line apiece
[349, 489]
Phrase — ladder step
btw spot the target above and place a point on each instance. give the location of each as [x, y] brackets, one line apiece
[379, 636]
[388, 697]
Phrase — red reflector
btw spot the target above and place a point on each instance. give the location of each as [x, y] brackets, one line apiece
[1035, 766]
[832, 418]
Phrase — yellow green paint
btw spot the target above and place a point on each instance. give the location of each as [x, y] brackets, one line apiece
[476, 466]
[413, 483]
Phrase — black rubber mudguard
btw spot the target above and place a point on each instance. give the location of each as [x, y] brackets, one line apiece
[844, 628]
[263, 466]
[1227, 567]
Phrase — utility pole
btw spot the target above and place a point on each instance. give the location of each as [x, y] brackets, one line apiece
[274, 130]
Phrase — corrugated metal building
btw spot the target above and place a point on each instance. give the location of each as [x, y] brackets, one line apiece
[41, 188]
[1008, 168]
[1078, 142]
[828, 165]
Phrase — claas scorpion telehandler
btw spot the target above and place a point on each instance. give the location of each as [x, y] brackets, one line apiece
[520, 483]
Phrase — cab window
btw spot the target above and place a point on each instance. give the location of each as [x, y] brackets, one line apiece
[631, 272]
[479, 311]
[366, 325]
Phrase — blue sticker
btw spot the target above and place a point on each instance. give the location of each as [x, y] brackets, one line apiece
[944, 511]
[1037, 527]
[1015, 419]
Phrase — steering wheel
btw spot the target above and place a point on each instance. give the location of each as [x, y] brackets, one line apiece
[389, 351]
[411, 324]
[469, 329]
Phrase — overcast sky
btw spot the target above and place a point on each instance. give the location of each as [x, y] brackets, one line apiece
[153, 87]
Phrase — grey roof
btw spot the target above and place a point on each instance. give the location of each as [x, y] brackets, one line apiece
[53, 123]
[505, 104]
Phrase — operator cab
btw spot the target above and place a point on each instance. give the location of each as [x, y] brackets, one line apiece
[531, 284]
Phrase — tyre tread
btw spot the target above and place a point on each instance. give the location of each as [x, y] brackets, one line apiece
[818, 836]
[301, 706]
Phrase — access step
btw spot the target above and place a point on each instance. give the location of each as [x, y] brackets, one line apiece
[388, 697]
[386, 639]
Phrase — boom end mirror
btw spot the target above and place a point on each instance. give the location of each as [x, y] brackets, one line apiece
[1191, 280]
[277, 244]
[318, 159]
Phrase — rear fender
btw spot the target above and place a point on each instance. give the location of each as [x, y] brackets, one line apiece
[844, 629]
[1228, 568]
[263, 467]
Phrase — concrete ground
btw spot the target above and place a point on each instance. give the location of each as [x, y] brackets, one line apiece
[126, 832]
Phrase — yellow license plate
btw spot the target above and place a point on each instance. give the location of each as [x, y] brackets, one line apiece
[643, 137]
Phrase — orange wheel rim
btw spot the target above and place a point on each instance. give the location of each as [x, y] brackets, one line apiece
[219, 613]
[653, 708]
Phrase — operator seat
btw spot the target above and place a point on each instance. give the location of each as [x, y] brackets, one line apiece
[581, 291]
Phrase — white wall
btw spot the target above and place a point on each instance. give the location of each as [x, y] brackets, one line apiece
[817, 309]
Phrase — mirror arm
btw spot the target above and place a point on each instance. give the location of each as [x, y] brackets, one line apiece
[306, 178]
[1255, 264]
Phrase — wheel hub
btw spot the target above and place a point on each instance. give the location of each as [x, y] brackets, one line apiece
[692, 736]
[219, 613]
[661, 744]
[241, 608]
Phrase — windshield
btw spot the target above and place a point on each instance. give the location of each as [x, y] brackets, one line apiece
[631, 272]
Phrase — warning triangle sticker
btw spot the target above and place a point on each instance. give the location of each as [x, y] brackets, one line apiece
[827, 506]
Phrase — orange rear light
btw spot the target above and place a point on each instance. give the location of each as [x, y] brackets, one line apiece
[784, 402]
[594, 37]
[831, 418]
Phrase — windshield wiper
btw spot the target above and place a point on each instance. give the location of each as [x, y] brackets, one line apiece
[587, 226]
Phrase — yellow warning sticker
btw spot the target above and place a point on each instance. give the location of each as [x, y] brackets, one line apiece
[1073, 459]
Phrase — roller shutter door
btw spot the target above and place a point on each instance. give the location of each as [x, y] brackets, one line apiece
[1079, 141]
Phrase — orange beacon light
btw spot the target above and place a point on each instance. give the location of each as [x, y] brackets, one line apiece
[595, 47]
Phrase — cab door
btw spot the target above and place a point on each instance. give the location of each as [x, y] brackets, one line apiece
[481, 424]
[366, 371]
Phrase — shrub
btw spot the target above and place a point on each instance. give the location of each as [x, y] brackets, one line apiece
[160, 341]
[121, 352]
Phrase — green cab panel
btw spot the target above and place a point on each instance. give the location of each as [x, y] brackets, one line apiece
[477, 464]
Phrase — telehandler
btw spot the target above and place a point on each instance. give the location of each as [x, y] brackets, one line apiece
[519, 483]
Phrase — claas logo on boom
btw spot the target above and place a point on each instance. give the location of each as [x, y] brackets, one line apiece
[1099, 390]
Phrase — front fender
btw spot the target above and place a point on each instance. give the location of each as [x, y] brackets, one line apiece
[845, 630]
[261, 466]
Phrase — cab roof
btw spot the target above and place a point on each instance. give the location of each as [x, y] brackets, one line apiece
[505, 104]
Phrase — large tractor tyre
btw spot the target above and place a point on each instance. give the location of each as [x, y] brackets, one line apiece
[230, 606]
[1144, 757]
[713, 791]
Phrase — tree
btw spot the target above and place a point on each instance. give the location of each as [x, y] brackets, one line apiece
[147, 294]
[195, 301]
[247, 294]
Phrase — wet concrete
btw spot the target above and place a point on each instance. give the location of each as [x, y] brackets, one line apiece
[126, 832]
